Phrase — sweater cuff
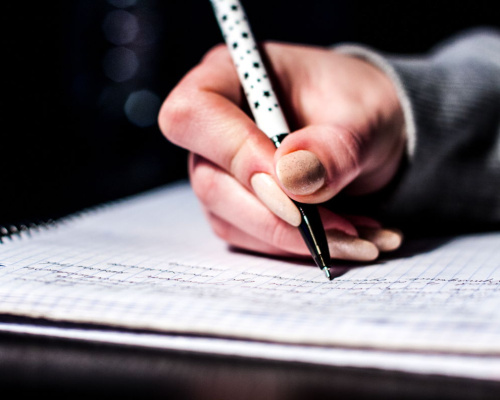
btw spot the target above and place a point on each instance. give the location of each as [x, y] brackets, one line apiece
[383, 64]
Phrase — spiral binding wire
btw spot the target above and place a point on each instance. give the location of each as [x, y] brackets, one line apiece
[18, 230]
[23, 228]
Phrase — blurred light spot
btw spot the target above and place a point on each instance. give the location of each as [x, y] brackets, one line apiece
[141, 108]
[122, 3]
[120, 64]
[120, 27]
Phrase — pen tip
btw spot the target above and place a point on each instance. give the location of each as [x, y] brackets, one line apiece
[323, 266]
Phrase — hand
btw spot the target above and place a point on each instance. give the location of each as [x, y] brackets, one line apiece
[350, 138]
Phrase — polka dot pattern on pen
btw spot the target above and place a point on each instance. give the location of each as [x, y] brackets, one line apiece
[251, 70]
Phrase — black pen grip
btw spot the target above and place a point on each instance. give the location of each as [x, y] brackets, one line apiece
[312, 231]
[311, 228]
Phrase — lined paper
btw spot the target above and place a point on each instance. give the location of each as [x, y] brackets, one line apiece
[151, 262]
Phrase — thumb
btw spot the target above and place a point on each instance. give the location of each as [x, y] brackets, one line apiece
[315, 163]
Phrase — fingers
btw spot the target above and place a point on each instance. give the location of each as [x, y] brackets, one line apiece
[224, 197]
[315, 163]
[341, 245]
[203, 114]
[242, 220]
[241, 239]
[346, 247]
[245, 184]
[384, 239]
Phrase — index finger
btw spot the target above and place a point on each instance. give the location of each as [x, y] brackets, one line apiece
[204, 115]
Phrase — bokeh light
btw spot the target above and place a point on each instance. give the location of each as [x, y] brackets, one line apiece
[120, 64]
[141, 108]
[122, 3]
[120, 27]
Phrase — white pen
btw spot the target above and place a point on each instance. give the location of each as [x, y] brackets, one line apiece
[266, 109]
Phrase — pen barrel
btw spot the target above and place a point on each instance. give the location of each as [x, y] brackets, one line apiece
[312, 231]
[311, 227]
[251, 69]
[265, 107]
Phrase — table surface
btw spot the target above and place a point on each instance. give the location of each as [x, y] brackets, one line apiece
[32, 365]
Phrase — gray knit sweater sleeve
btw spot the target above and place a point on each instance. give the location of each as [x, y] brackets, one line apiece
[451, 98]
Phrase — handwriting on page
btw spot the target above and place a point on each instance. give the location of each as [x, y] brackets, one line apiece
[136, 266]
[397, 294]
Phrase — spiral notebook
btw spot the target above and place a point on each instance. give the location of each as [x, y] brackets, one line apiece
[148, 271]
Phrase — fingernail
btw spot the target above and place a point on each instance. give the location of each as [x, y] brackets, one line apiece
[301, 172]
[348, 247]
[268, 191]
[384, 239]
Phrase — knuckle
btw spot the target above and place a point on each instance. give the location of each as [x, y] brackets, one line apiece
[353, 148]
[173, 115]
[251, 154]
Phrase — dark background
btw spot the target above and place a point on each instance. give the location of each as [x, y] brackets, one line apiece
[79, 97]
[82, 82]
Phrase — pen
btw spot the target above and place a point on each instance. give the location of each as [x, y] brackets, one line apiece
[266, 110]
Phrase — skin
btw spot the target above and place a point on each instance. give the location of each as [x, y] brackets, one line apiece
[350, 125]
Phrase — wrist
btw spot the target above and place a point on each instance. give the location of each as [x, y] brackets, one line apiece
[377, 60]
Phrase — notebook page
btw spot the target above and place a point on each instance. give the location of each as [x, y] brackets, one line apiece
[151, 262]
